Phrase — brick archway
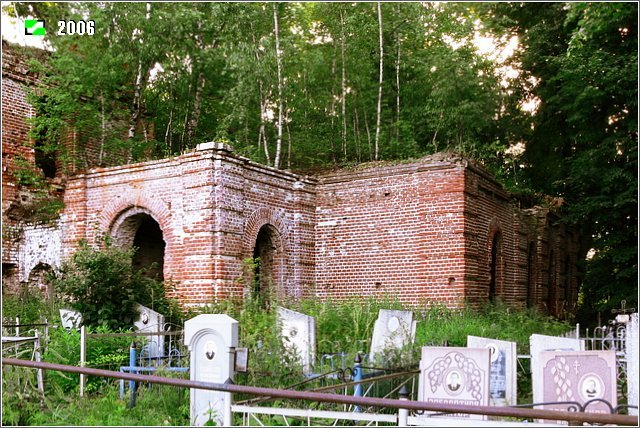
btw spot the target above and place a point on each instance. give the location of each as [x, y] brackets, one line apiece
[122, 218]
[265, 223]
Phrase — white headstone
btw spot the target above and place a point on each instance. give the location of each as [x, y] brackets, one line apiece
[149, 320]
[392, 330]
[70, 319]
[503, 382]
[580, 377]
[211, 340]
[539, 343]
[298, 332]
[632, 358]
[450, 375]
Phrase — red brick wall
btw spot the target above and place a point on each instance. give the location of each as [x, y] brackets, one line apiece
[209, 205]
[396, 230]
[420, 232]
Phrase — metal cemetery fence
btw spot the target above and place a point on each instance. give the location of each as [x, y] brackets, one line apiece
[401, 419]
[13, 345]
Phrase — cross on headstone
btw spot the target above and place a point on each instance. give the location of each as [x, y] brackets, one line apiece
[576, 366]
[623, 309]
[622, 316]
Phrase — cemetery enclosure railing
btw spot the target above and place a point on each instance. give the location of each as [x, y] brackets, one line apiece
[515, 412]
[173, 352]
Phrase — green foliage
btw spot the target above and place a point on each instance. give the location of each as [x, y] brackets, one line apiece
[29, 306]
[155, 406]
[104, 286]
[582, 142]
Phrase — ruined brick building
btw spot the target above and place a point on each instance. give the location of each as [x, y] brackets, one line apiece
[439, 229]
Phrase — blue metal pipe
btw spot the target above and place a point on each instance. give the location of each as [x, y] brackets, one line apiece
[132, 365]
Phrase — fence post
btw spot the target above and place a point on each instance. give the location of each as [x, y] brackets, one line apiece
[39, 359]
[132, 384]
[403, 414]
[83, 356]
[357, 377]
[17, 327]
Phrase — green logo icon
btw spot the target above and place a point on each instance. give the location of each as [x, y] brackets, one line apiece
[34, 27]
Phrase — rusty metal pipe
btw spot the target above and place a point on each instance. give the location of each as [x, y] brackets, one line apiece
[342, 399]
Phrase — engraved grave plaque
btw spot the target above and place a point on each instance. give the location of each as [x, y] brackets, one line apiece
[298, 332]
[149, 320]
[580, 377]
[503, 377]
[392, 330]
[212, 340]
[539, 343]
[458, 376]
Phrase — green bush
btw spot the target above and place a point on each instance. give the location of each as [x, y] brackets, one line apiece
[103, 285]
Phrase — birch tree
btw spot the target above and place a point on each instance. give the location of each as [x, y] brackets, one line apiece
[276, 160]
[380, 80]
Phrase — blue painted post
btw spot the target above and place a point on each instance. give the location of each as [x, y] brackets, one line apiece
[357, 376]
[132, 384]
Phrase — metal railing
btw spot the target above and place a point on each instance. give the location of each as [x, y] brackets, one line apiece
[514, 412]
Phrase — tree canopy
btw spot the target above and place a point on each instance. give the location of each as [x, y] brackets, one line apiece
[308, 85]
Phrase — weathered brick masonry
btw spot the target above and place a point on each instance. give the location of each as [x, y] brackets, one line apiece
[440, 229]
[436, 230]
[16, 79]
[210, 206]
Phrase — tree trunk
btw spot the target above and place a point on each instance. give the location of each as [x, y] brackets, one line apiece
[379, 107]
[137, 95]
[103, 127]
[276, 161]
[398, 88]
[344, 86]
[366, 125]
[192, 125]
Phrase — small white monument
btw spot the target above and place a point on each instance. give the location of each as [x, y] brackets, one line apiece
[392, 330]
[70, 319]
[298, 332]
[539, 343]
[632, 363]
[503, 383]
[150, 321]
[455, 376]
[211, 340]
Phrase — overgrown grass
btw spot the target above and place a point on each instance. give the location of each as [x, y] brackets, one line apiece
[341, 326]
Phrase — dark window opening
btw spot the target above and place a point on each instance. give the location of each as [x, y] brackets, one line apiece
[45, 160]
[150, 248]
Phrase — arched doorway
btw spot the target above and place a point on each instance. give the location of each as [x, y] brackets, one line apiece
[266, 281]
[39, 280]
[142, 231]
[494, 267]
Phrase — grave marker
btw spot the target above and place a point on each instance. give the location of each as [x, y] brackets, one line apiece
[212, 340]
[70, 319]
[455, 376]
[392, 330]
[580, 377]
[149, 320]
[503, 390]
[539, 343]
[298, 332]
